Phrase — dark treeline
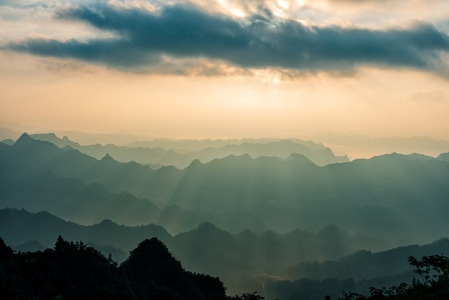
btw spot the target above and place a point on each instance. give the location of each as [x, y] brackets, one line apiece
[429, 280]
[74, 271]
[432, 283]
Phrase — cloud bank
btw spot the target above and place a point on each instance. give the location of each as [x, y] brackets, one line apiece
[173, 36]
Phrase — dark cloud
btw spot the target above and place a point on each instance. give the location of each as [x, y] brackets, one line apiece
[142, 37]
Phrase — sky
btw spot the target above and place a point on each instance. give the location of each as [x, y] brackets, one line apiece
[226, 68]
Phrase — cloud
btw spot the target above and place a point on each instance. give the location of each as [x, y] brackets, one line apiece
[141, 39]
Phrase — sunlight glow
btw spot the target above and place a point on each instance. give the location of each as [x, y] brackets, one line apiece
[234, 11]
[283, 4]
[237, 12]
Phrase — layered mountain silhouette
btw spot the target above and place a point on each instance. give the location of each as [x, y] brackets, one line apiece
[239, 259]
[365, 264]
[243, 261]
[252, 212]
[400, 197]
[156, 156]
[366, 271]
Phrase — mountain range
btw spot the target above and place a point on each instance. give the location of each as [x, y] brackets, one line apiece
[402, 198]
[239, 259]
[182, 157]
[243, 261]
[256, 213]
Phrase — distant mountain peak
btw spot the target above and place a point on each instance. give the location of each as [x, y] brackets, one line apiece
[195, 163]
[299, 157]
[108, 158]
[107, 222]
[207, 226]
[208, 229]
[25, 138]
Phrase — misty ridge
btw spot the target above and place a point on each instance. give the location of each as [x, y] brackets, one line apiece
[263, 215]
[180, 154]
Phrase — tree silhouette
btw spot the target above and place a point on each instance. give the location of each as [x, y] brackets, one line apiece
[247, 296]
[74, 271]
[434, 284]
[156, 274]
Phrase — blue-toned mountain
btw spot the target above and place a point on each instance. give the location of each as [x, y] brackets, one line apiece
[402, 198]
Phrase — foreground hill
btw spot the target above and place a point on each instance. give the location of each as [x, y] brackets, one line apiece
[241, 260]
[246, 261]
[150, 272]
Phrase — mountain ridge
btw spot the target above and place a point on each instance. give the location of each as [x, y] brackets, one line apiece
[283, 193]
[159, 156]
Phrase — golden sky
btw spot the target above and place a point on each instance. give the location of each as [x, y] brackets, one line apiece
[228, 69]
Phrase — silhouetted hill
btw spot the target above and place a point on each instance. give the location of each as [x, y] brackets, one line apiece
[67, 271]
[243, 261]
[76, 271]
[158, 275]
